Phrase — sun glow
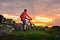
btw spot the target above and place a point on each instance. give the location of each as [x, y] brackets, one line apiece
[40, 24]
[43, 19]
[10, 16]
[38, 21]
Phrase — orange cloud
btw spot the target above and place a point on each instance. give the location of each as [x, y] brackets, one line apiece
[42, 21]
[9, 16]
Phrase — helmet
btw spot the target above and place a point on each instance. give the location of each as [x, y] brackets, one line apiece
[25, 9]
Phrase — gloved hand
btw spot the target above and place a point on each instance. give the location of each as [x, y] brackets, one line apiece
[30, 18]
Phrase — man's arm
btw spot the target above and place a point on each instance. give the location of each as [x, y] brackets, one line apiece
[28, 16]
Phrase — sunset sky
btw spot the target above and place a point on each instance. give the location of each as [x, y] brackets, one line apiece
[46, 12]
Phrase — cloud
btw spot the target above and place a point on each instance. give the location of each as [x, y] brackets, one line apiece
[56, 22]
[49, 8]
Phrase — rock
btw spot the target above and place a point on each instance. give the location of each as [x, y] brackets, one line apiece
[6, 29]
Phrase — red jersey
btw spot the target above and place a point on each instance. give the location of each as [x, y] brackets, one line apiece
[24, 15]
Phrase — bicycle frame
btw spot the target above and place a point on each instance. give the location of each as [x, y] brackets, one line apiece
[31, 25]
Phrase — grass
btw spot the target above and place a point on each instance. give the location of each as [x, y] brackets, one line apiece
[30, 35]
[37, 34]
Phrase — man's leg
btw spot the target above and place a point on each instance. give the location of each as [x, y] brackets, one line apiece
[24, 25]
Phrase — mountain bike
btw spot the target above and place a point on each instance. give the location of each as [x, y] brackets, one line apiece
[30, 25]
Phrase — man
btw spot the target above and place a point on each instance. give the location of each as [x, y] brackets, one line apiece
[23, 17]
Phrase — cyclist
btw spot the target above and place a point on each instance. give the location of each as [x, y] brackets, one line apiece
[23, 17]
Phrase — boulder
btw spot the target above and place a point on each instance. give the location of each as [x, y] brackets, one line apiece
[6, 29]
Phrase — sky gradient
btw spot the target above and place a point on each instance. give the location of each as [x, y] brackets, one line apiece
[42, 8]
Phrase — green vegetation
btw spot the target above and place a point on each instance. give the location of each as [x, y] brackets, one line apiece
[32, 35]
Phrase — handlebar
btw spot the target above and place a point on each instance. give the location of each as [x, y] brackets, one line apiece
[29, 21]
